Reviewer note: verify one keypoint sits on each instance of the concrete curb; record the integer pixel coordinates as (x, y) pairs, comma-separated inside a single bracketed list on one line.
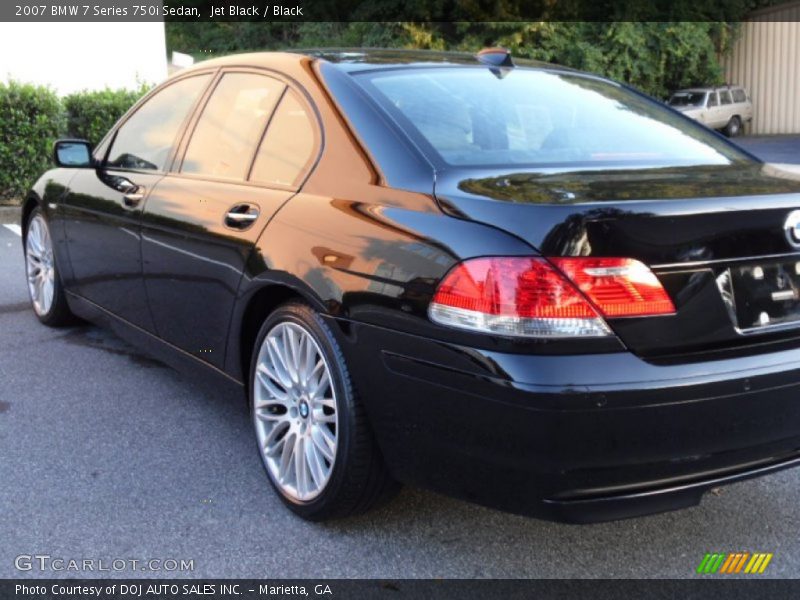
[(10, 214)]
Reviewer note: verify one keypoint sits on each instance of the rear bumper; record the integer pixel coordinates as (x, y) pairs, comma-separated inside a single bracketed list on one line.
[(573, 438), (645, 502)]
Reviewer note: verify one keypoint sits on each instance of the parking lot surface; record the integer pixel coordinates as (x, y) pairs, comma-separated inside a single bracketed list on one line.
[(772, 148), (108, 454)]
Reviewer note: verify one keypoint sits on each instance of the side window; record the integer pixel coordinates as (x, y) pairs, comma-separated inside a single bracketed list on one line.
[(288, 145), (232, 122), (725, 97), (145, 140), (739, 95), (712, 99)]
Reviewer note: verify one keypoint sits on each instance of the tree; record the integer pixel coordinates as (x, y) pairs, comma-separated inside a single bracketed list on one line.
[(656, 46)]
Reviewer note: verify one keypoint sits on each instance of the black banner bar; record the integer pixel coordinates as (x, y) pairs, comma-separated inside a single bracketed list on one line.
[(276, 589), (285, 11)]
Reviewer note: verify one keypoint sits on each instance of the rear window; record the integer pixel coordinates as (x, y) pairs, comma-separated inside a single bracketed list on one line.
[(470, 117), (739, 96)]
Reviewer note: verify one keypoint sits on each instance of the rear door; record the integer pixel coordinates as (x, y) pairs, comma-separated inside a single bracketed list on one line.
[(727, 108), (248, 151)]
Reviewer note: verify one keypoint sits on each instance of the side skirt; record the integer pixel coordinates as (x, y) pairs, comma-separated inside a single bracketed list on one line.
[(180, 360)]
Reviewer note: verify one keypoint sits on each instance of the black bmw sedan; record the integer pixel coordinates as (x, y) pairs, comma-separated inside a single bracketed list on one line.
[(521, 285)]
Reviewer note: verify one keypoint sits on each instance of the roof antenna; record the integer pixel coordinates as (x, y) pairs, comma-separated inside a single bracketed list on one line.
[(497, 59)]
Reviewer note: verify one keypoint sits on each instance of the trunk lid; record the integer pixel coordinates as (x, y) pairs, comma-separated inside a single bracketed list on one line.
[(716, 237)]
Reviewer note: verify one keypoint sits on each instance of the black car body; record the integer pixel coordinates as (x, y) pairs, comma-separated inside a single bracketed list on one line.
[(643, 414)]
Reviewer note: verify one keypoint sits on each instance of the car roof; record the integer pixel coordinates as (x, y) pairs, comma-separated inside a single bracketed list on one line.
[(363, 59), (709, 89)]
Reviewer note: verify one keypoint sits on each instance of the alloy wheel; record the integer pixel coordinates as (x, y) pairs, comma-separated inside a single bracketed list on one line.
[(295, 411), (39, 265)]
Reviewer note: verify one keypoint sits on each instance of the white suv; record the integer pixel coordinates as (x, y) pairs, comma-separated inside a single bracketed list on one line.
[(726, 108)]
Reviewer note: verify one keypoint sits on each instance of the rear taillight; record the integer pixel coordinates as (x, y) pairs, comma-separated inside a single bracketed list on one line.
[(618, 287), (516, 297), (522, 296)]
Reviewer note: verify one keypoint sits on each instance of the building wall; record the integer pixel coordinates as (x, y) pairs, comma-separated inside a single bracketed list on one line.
[(766, 61), (75, 56)]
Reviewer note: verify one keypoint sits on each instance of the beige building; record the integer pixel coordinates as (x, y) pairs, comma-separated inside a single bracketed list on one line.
[(766, 61)]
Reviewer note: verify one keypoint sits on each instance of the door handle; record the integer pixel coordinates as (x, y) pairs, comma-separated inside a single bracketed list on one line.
[(132, 194), (241, 216)]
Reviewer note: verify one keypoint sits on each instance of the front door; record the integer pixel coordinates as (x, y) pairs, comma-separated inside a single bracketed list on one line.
[(103, 209)]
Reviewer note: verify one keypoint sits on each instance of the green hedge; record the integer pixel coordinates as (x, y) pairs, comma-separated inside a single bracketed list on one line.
[(32, 117), (90, 114)]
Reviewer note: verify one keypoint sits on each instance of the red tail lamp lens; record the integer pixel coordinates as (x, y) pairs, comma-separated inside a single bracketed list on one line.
[(525, 296), (618, 287), (516, 296)]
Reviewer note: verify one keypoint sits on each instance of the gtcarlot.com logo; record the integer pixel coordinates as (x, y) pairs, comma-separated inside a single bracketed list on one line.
[(45, 562), (734, 562)]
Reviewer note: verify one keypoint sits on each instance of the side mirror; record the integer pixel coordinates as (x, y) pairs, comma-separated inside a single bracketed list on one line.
[(74, 154)]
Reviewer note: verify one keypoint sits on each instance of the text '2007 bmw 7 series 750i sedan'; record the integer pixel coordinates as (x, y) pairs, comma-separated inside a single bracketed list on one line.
[(507, 281)]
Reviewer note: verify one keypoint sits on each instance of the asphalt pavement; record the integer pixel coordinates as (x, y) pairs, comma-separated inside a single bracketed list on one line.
[(107, 454), (772, 148)]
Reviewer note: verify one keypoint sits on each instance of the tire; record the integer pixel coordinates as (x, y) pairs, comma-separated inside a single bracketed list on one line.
[(295, 414), (46, 292), (734, 127)]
